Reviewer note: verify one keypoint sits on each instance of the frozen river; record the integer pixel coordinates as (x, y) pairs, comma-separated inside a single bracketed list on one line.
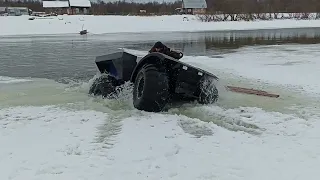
[(51, 129), (56, 57)]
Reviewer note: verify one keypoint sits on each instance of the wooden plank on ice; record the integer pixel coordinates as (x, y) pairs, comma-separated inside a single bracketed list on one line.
[(251, 91)]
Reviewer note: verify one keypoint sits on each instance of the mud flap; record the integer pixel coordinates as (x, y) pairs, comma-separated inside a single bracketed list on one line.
[(187, 81)]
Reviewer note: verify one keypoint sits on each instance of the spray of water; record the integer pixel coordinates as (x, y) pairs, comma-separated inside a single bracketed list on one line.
[(209, 91)]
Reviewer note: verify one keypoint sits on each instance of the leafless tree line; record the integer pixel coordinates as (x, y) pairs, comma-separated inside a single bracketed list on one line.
[(263, 6), (248, 10), (208, 17), (131, 8), (218, 10)]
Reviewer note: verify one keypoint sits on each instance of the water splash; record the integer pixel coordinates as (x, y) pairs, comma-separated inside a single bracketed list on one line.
[(209, 92)]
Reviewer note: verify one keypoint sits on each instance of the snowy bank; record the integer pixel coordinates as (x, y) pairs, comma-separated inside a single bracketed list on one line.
[(125, 24), (54, 143)]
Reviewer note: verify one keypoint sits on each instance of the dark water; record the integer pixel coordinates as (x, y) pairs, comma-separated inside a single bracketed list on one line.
[(58, 57)]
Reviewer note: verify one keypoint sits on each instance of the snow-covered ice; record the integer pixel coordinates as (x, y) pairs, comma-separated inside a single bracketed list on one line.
[(293, 66), (53, 131), (50, 142), (42, 142), (65, 24)]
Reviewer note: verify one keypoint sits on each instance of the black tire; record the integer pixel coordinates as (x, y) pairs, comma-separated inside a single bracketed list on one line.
[(151, 89), (104, 86), (208, 91)]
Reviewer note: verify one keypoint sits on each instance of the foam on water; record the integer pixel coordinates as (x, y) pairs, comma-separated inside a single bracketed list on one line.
[(9, 80)]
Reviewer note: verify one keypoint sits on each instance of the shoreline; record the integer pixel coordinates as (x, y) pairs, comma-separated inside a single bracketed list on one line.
[(150, 32), (64, 25)]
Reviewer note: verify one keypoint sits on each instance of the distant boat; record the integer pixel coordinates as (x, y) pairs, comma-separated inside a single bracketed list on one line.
[(83, 32)]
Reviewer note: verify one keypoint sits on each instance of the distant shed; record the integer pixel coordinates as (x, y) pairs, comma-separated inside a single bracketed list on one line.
[(79, 6), (55, 4), (59, 7), (67, 6), (194, 6)]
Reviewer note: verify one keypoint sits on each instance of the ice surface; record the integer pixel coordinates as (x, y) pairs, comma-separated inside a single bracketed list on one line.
[(241, 137), (296, 67), (50, 142), (65, 24), (47, 142)]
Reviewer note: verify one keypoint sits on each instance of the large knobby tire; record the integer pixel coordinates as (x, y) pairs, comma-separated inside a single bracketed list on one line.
[(151, 89), (103, 86), (208, 91)]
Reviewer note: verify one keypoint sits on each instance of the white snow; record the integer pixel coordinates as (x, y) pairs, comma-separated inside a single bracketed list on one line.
[(135, 24), (294, 66), (161, 148), (50, 142), (47, 142), (53, 131)]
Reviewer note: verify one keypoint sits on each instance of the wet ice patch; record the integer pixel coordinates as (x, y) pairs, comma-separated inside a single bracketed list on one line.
[(220, 117), (195, 126), (254, 121)]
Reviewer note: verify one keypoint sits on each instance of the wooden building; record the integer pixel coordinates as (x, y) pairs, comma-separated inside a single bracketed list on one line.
[(193, 7), (71, 7)]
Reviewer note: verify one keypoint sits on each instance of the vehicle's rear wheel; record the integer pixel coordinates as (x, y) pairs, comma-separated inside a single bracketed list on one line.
[(208, 91), (104, 86), (151, 89)]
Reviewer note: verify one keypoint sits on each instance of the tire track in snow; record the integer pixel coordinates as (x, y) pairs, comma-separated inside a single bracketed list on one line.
[(217, 116)]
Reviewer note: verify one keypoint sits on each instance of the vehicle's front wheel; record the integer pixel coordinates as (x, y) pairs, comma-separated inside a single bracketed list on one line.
[(104, 86), (151, 89)]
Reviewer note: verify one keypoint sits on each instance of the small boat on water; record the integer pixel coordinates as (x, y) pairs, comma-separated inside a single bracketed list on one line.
[(83, 32)]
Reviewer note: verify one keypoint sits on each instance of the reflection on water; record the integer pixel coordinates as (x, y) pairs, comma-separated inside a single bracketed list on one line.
[(72, 57), (238, 42), (215, 43), (227, 42)]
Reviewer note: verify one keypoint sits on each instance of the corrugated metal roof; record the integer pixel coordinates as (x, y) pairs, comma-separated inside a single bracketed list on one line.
[(55, 4), (194, 4)]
